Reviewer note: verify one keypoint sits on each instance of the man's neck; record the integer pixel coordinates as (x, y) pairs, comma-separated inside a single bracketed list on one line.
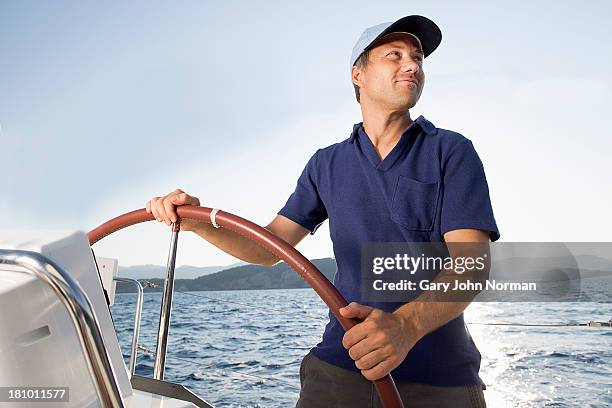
[(384, 128)]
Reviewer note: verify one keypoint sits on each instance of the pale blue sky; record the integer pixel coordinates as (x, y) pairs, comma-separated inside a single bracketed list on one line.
[(104, 105)]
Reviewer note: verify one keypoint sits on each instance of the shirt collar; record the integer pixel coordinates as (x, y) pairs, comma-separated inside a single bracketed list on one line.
[(425, 125)]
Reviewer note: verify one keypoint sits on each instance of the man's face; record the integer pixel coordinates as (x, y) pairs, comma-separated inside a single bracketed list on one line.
[(393, 78)]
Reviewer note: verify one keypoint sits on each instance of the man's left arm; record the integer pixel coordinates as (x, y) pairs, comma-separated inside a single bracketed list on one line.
[(382, 340)]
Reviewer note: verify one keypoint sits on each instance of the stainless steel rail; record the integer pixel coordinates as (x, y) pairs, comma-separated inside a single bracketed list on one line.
[(137, 318), (166, 308), (82, 315)]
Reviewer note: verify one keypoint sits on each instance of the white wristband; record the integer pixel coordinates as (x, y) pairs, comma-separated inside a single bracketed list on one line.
[(213, 215)]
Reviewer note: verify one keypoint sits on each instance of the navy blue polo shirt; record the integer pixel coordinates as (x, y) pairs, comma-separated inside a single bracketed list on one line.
[(430, 183)]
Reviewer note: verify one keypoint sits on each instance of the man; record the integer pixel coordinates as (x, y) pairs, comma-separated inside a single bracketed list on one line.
[(393, 180)]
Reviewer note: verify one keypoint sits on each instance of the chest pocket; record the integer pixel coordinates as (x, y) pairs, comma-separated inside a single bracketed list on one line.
[(415, 203)]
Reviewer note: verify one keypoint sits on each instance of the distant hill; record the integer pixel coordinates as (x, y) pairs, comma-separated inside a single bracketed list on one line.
[(182, 272), (533, 268), (281, 276), (245, 277)]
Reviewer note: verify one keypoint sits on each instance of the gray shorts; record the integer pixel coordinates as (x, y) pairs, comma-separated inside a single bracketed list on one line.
[(325, 386)]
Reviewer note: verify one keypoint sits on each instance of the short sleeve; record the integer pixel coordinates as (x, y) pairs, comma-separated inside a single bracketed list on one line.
[(465, 201), (305, 206)]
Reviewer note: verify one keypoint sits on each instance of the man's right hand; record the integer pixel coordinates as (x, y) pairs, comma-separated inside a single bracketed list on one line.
[(164, 208)]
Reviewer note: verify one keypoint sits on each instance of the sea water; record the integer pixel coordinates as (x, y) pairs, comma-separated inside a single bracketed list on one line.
[(244, 348)]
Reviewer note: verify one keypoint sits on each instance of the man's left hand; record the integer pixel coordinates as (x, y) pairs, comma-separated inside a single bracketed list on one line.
[(380, 342)]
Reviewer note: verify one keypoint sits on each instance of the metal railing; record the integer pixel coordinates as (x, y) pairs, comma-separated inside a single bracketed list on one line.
[(137, 318), (166, 307), (82, 315)]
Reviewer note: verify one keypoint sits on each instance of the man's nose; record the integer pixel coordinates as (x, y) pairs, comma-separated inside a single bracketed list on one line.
[(409, 64)]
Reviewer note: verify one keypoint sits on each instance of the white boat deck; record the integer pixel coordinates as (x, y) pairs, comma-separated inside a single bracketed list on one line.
[(39, 345)]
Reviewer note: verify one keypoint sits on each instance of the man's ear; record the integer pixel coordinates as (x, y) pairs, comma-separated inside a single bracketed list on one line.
[(356, 76)]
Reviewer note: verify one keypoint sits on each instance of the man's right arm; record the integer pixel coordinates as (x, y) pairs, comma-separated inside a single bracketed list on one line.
[(164, 210)]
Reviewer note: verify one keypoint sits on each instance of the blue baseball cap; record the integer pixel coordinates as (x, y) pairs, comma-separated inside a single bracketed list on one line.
[(425, 30)]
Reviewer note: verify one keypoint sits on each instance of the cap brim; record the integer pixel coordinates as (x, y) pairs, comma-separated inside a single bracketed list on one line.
[(423, 28)]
